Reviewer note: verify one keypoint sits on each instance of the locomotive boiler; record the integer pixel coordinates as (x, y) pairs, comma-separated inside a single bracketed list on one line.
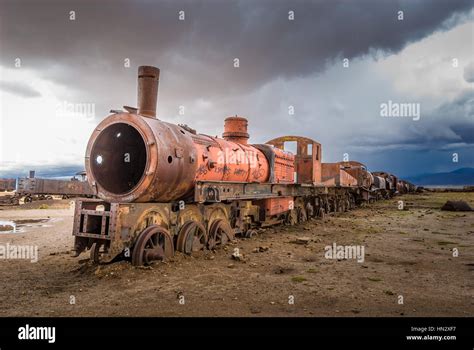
[(163, 187)]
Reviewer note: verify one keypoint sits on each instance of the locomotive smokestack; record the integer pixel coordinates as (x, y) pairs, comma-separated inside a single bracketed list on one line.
[(148, 78)]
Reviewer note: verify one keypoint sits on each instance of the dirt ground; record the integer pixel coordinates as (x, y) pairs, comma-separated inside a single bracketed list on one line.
[(408, 258)]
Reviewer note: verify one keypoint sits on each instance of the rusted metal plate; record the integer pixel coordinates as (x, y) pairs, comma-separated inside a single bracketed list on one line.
[(274, 206)]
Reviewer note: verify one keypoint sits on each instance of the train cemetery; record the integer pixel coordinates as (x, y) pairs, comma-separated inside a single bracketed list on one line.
[(165, 221), (417, 262)]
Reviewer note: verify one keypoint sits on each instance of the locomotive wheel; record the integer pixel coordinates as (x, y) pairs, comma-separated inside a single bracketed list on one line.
[(328, 207), (154, 243), (96, 252), (192, 237), (302, 215), (250, 233), (28, 199), (292, 217), (49, 197), (321, 213), (309, 210), (220, 233)]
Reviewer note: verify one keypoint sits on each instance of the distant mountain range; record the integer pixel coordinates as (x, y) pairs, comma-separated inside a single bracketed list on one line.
[(459, 177)]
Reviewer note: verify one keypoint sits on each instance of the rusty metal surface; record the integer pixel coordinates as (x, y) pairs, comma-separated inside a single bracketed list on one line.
[(283, 167), (222, 160)]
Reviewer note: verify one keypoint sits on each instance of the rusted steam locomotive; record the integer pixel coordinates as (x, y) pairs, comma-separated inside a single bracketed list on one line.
[(162, 187)]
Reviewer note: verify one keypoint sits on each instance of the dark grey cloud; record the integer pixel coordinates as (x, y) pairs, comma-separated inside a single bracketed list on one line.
[(277, 56), (86, 56), (19, 88), (200, 50)]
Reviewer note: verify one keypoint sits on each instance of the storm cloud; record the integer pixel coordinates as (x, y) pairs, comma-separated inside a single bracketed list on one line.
[(282, 61), (199, 52)]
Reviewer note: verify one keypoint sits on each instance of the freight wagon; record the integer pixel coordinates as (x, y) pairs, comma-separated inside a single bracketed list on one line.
[(33, 188)]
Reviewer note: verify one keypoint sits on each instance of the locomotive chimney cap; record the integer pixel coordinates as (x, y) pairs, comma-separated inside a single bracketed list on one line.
[(149, 71), (236, 117)]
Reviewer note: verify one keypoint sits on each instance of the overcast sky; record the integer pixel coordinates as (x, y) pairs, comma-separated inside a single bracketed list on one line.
[(53, 62)]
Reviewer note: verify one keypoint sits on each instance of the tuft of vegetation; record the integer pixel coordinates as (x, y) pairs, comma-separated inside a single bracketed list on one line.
[(445, 242), (298, 279), (374, 279), (44, 206)]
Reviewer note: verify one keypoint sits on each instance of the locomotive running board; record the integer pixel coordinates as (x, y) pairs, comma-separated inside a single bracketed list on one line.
[(218, 191)]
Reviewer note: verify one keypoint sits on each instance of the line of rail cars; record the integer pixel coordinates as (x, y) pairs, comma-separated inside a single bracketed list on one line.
[(7, 185), (34, 188), (162, 187)]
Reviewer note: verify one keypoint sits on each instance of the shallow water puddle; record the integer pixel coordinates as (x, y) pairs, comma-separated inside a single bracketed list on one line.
[(18, 226)]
